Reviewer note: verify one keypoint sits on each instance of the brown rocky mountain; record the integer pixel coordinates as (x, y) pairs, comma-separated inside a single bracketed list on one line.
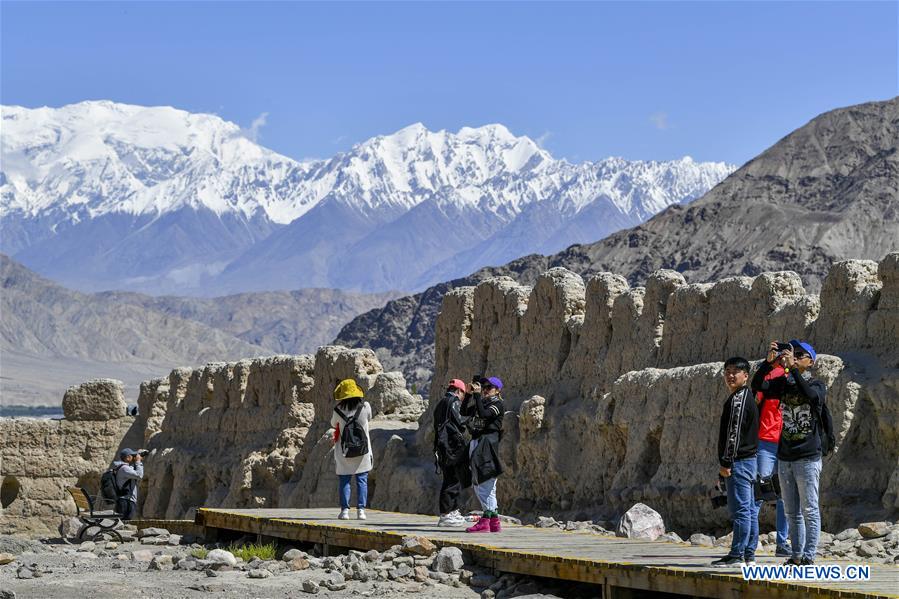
[(826, 192), (51, 337)]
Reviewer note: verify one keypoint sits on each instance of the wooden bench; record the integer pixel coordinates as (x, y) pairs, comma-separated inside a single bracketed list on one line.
[(95, 524)]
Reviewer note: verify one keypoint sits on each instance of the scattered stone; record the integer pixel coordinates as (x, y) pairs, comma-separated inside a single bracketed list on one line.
[(310, 586), (212, 573), (725, 541), (186, 564), (372, 556), (24, 573), (874, 530), (441, 577), (335, 582), (401, 571), (870, 549), (174, 540), (110, 545), (142, 555), (824, 538), (701, 540), (88, 555), (161, 562), (577, 526), (259, 573), (298, 563), (87, 546), (420, 573), (69, 527), (4, 594), (850, 534), (547, 522), (122, 557), (210, 588), (292, 554), (152, 532), (641, 522), (6, 558), (671, 537), (487, 594), (449, 560), (465, 576), (418, 546), (404, 559), (509, 519), (221, 556)]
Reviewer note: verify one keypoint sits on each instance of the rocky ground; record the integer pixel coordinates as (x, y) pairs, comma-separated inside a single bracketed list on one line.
[(160, 564), (155, 563)]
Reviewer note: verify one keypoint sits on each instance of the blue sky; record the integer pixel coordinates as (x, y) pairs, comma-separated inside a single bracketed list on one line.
[(650, 80)]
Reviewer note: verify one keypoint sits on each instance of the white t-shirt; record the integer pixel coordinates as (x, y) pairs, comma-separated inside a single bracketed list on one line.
[(356, 465)]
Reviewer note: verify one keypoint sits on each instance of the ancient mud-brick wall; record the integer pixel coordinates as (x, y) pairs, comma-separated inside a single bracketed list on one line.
[(40, 458), (241, 434), (615, 392)]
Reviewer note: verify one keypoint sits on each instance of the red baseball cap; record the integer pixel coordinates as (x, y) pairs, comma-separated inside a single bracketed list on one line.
[(456, 384)]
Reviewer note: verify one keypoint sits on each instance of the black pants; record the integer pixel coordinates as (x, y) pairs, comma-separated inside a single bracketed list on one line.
[(455, 478), (125, 507)]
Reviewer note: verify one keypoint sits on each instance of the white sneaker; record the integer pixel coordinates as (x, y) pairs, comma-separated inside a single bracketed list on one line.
[(453, 518), (360, 514), (344, 514)]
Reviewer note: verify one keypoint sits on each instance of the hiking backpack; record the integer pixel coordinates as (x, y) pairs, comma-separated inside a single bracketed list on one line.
[(353, 440), (109, 489), (828, 439), (449, 441)]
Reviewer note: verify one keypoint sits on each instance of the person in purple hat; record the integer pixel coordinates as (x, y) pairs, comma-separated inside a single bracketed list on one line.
[(801, 444), (483, 406)]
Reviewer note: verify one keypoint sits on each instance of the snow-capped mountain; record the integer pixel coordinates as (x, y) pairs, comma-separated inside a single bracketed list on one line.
[(106, 195)]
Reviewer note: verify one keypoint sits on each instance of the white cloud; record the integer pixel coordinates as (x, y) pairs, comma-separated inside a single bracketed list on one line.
[(257, 124), (541, 141), (660, 120)]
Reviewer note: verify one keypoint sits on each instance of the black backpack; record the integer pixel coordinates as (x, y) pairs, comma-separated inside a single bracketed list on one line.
[(449, 441), (828, 439), (353, 441), (108, 487)]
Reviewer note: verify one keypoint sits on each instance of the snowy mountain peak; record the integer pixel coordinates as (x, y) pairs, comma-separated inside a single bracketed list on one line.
[(157, 195)]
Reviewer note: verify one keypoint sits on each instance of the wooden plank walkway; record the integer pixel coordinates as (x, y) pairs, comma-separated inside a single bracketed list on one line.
[(617, 564)]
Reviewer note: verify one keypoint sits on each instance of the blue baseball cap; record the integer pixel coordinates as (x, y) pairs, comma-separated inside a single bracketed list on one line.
[(127, 452), (806, 347), (492, 381)]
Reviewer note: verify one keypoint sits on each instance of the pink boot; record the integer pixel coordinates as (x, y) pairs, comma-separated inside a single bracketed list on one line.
[(494, 524), (483, 525)]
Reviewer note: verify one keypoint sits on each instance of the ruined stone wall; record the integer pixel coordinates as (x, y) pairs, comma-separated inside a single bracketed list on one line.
[(40, 458), (253, 433), (614, 393)]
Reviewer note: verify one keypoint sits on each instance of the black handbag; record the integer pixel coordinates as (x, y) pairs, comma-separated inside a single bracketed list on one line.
[(766, 488)]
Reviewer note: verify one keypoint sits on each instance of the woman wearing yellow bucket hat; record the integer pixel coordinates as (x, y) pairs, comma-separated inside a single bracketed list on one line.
[(352, 445)]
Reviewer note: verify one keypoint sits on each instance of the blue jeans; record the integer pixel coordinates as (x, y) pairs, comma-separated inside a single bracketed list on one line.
[(361, 489), (743, 508), (767, 460), (799, 487)]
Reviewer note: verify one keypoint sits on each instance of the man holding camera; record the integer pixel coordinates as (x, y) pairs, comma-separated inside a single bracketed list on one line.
[(129, 469), (800, 450), (738, 438), (451, 453)]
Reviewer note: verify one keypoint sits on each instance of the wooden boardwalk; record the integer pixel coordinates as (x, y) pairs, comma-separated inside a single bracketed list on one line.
[(619, 565)]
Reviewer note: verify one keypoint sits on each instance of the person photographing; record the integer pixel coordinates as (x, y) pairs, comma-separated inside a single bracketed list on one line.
[(801, 447), (451, 452), (127, 471), (483, 407)]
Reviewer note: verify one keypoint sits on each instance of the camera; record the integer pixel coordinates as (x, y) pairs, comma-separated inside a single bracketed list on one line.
[(143, 452), (720, 497), (477, 378), (781, 347)]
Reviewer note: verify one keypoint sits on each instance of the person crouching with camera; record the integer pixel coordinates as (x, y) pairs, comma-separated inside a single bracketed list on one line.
[(738, 440)]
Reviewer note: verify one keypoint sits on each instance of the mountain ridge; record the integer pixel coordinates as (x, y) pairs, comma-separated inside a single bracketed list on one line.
[(100, 195), (827, 191)]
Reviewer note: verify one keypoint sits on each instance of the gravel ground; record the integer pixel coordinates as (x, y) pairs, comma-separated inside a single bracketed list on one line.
[(65, 575)]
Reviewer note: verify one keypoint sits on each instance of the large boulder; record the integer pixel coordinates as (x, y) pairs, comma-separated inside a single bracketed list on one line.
[(641, 522), (98, 399)]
